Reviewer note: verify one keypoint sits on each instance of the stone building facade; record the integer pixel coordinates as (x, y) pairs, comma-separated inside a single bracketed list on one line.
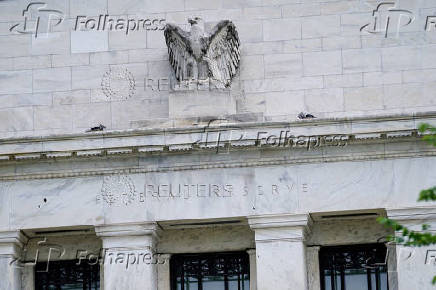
[(105, 168)]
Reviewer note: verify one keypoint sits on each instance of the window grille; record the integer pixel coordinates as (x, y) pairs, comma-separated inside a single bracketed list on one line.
[(67, 275), (359, 267), (227, 271)]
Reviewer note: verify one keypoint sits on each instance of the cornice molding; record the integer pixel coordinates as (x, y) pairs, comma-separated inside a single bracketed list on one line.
[(412, 214), (191, 140), (414, 218), (35, 154), (246, 125), (123, 230), (347, 156), (184, 139), (131, 236), (279, 221), (11, 242), (16, 237), (280, 227)]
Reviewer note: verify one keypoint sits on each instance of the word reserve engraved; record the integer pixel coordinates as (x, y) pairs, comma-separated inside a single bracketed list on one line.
[(118, 189), (118, 84), (203, 190)]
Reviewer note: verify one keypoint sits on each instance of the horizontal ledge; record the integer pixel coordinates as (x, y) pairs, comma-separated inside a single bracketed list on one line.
[(368, 156), (244, 125), (283, 139)]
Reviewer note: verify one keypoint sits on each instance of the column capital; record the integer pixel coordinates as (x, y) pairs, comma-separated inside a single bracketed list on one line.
[(11, 242), (251, 252), (166, 257), (279, 220), (135, 235), (414, 216), (290, 227), (412, 213)]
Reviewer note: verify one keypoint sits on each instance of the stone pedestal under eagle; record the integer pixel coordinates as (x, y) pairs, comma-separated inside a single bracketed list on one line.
[(197, 55)]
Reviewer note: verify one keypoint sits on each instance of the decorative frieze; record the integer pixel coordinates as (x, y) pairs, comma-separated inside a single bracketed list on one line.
[(324, 141)]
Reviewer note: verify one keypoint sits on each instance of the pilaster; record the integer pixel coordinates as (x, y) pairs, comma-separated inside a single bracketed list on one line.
[(129, 257), (281, 251), (414, 265), (11, 243)]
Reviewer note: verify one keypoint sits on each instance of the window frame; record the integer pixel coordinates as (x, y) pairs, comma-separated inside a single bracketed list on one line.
[(177, 260), (88, 272), (380, 263)]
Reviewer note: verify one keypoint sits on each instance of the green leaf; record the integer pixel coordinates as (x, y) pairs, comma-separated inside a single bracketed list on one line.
[(427, 194), (423, 127)]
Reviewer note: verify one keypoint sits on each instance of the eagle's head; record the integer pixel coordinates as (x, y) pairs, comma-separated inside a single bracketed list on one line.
[(195, 20), (197, 25)]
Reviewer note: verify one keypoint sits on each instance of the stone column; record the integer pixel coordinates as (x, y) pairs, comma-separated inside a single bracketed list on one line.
[(129, 258), (28, 276), (313, 275), (253, 275), (415, 266), (11, 243), (163, 272), (281, 251)]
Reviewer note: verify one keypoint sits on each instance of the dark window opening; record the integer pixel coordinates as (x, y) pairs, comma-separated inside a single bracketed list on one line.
[(359, 267), (67, 275), (226, 271)]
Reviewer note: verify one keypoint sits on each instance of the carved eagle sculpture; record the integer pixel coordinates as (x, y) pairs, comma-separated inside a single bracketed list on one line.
[(198, 55)]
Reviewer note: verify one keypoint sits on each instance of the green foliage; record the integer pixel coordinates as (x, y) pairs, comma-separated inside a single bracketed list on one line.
[(429, 133), (427, 194), (408, 237), (404, 235)]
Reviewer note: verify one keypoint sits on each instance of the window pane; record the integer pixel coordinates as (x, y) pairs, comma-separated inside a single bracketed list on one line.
[(356, 280), (327, 280), (191, 283), (215, 271), (384, 281), (354, 267), (67, 275)]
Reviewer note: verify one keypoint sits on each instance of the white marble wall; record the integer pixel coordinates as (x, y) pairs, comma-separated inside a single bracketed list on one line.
[(206, 239), (250, 191), (296, 56), (343, 231), (275, 244), (11, 245), (414, 265)]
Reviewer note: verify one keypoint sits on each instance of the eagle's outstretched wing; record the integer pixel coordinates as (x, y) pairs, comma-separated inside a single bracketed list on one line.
[(179, 50), (223, 52)]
